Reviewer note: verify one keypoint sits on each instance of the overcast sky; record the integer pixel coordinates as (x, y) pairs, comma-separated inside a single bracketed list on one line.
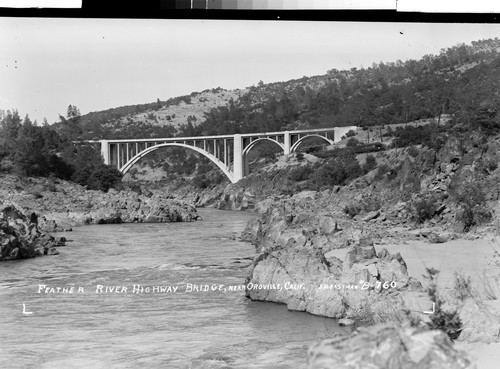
[(95, 64)]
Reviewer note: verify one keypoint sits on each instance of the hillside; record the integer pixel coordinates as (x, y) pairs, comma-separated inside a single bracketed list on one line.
[(162, 118), (459, 78)]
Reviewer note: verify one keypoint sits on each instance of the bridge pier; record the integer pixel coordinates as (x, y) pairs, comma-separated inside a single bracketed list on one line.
[(105, 152), (238, 165), (286, 142)]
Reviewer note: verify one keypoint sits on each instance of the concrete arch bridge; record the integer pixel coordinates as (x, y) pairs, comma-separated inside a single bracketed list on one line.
[(228, 152)]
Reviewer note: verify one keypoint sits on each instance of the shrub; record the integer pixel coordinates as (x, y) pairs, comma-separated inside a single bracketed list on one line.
[(424, 207), (351, 142), (463, 286), (472, 201), (350, 133), (382, 170), (300, 173), (370, 163), (103, 177), (432, 137), (337, 172), (447, 321)]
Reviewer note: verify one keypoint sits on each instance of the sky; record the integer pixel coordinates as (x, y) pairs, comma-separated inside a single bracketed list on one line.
[(96, 64)]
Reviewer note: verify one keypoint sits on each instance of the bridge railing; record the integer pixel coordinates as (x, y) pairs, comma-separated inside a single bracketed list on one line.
[(173, 139)]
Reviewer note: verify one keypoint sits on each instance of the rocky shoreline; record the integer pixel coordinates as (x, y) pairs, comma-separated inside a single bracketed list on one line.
[(388, 346), (21, 237), (313, 255), (35, 207)]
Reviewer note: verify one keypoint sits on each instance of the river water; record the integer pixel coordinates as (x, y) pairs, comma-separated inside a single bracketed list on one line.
[(124, 296)]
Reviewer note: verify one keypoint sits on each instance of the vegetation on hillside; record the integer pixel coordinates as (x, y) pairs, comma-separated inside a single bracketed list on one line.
[(460, 80), (31, 150)]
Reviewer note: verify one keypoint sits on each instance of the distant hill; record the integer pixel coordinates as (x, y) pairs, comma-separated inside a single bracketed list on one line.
[(460, 78), (160, 118)]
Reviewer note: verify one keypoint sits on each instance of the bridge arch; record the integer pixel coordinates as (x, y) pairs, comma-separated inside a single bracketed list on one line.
[(246, 150), (147, 151), (254, 142), (294, 147)]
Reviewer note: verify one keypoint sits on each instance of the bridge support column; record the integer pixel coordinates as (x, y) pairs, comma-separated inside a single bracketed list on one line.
[(238, 167), (286, 142), (105, 151)]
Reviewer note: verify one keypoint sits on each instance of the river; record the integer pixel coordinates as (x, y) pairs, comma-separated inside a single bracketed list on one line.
[(124, 296)]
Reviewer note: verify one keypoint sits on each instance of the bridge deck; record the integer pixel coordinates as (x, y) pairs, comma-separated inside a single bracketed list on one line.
[(191, 138)]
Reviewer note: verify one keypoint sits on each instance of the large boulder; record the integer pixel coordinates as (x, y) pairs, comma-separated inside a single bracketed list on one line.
[(20, 236), (388, 347), (305, 279)]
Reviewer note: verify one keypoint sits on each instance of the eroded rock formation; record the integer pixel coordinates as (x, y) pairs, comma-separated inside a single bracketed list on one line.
[(388, 347), (21, 237), (62, 205), (306, 279)]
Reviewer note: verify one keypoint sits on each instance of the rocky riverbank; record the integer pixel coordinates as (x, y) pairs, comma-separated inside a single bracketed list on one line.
[(324, 251), (61, 205), (21, 237), (36, 207), (388, 347), (363, 287)]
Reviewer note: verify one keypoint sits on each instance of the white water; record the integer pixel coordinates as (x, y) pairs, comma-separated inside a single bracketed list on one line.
[(90, 329)]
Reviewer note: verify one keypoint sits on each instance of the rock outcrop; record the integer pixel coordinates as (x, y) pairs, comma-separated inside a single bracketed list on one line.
[(481, 321), (62, 205), (388, 347), (306, 279), (21, 237)]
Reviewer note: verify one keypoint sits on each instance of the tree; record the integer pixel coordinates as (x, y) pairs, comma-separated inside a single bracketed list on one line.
[(30, 154), (73, 112), (71, 129), (36, 152), (91, 171), (10, 125)]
